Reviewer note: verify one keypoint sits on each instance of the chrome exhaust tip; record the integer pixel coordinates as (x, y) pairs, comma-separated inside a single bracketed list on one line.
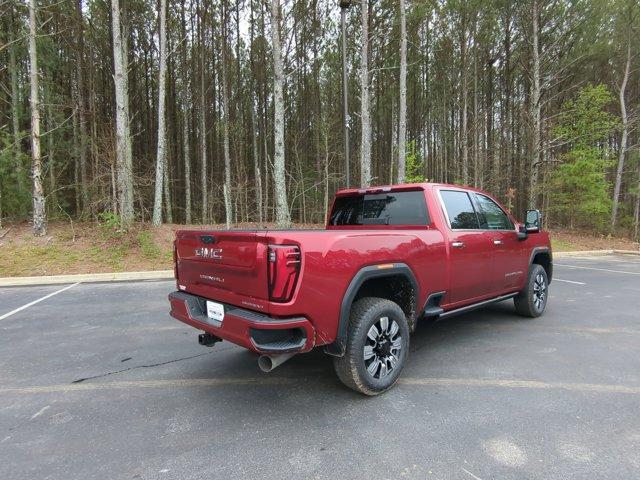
[(269, 362)]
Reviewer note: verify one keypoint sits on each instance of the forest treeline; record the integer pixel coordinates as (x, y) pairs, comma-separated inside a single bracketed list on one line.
[(232, 111)]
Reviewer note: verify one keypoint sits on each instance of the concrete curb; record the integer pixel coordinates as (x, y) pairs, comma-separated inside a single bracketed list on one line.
[(590, 253), (582, 253), (168, 274), (627, 252), (87, 278)]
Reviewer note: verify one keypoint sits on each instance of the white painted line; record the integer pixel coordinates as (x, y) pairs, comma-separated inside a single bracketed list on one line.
[(471, 474), (526, 384), (594, 268), (19, 309), (568, 281), (283, 381), (40, 412)]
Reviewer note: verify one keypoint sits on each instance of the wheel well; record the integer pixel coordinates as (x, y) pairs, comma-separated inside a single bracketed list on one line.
[(397, 288), (544, 259)]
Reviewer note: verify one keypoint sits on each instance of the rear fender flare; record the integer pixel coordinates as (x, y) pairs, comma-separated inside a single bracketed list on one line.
[(338, 347)]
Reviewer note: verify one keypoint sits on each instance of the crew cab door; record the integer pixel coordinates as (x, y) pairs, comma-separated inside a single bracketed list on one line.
[(469, 250), (509, 260)]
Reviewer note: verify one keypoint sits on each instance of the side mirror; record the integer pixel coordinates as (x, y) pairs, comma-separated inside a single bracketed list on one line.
[(522, 232), (532, 222)]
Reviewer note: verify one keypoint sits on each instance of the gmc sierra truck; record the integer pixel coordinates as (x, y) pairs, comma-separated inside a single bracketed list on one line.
[(388, 257)]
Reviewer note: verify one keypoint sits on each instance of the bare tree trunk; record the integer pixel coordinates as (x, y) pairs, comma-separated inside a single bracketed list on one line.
[(267, 161), (283, 218), (39, 214), (184, 96), (636, 213), (535, 108), (623, 140), (168, 208), (76, 166), (203, 129), (114, 189), (326, 176), (187, 164), (254, 129), (123, 133), (256, 161), (402, 127), (365, 113), (476, 120), (15, 92), (225, 112), (394, 143), (81, 106), (464, 141), (161, 152), (129, 137), (50, 126)]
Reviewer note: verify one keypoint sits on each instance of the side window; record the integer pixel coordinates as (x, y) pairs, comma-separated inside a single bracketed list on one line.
[(459, 209), (492, 217)]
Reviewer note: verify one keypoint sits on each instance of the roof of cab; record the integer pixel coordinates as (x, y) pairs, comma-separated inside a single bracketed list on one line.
[(400, 187)]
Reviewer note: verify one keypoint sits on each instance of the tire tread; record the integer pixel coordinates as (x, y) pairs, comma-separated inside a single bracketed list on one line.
[(524, 300), (346, 367)]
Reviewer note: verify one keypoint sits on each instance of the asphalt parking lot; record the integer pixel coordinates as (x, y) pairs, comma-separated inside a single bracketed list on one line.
[(97, 381)]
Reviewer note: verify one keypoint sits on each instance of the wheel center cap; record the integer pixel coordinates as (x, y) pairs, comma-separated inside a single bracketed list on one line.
[(384, 348)]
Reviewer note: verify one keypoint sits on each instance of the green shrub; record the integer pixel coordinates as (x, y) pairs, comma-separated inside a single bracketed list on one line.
[(580, 189), (15, 186), (149, 248), (414, 164)]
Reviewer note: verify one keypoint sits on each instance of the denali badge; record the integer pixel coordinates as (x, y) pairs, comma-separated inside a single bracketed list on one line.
[(215, 253), (212, 278)]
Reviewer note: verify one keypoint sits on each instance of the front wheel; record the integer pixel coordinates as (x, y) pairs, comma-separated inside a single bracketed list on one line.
[(377, 346), (532, 300)]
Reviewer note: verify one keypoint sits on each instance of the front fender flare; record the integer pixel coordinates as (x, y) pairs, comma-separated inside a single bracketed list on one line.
[(535, 251)]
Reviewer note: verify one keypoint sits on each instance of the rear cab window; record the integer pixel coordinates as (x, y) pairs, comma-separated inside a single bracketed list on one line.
[(406, 208)]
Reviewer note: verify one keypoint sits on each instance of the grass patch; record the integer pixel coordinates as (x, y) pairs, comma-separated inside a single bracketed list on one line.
[(112, 256), (562, 245), (149, 248), (24, 260)]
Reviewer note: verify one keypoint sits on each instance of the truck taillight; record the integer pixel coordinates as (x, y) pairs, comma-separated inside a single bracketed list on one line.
[(284, 267)]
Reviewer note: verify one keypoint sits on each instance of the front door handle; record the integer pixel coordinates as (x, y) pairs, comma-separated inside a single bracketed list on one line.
[(457, 244), (497, 242)]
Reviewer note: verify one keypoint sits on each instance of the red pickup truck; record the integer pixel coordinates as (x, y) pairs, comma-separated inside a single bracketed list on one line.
[(387, 258)]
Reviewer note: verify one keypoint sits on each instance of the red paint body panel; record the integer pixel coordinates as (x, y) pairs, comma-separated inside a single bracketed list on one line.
[(332, 257)]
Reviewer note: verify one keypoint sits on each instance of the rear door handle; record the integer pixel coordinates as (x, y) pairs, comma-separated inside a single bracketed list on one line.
[(457, 244), (497, 242)]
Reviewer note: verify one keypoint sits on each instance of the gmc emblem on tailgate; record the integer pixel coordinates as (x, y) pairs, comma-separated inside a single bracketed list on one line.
[(204, 252)]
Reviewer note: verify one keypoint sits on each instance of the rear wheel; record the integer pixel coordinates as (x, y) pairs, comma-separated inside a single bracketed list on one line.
[(377, 346), (532, 301)]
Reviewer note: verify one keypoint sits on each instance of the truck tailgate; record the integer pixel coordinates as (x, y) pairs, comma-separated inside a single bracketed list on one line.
[(222, 265)]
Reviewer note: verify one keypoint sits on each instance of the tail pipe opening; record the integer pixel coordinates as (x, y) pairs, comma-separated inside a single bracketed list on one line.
[(269, 362)]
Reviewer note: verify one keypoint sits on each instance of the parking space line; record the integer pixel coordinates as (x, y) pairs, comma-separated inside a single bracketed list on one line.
[(568, 281), (125, 385), (596, 330), (471, 474), (19, 309), (594, 268), (525, 384), (280, 381)]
